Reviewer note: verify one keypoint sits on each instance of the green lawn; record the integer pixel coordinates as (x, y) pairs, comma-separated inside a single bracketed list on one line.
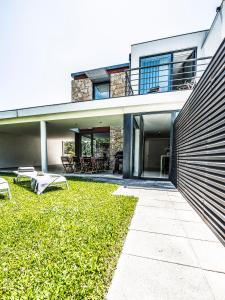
[(63, 244)]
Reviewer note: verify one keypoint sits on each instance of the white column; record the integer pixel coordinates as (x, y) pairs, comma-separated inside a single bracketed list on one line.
[(44, 148)]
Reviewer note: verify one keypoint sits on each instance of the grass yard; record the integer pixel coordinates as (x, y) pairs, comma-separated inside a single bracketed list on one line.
[(63, 244)]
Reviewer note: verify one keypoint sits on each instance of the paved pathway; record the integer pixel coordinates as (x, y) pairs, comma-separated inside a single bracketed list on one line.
[(169, 253)]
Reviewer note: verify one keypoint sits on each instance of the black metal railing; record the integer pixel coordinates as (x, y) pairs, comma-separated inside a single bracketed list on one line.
[(166, 77)]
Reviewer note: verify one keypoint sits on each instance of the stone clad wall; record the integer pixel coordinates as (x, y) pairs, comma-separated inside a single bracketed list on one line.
[(81, 90), (116, 142), (117, 84)]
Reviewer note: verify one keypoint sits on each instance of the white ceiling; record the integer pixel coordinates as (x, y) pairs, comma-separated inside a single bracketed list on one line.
[(157, 123), (61, 128)]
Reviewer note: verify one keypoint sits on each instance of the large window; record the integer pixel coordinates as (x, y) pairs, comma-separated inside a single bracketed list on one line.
[(155, 76), (166, 72), (101, 144), (86, 144), (101, 90), (95, 144)]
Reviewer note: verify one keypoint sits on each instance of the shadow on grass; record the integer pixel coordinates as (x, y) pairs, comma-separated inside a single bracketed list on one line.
[(4, 197)]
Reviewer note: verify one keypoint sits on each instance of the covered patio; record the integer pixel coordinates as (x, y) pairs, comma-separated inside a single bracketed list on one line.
[(43, 144)]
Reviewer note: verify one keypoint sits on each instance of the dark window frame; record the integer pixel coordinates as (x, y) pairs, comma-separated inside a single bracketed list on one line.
[(195, 49), (98, 83), (91, 132)]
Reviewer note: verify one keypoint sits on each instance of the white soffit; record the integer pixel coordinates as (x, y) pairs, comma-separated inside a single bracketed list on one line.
[(97, 75)]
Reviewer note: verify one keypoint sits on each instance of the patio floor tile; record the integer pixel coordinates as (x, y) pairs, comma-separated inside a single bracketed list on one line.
[(145, 221), (161, 247), (198, 231), (169, 252), (139, 278), (210, 255)]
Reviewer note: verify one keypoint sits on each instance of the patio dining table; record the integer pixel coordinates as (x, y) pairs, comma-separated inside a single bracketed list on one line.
[(93, 164)]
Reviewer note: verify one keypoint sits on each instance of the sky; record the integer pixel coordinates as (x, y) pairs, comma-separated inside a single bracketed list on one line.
[(43, 41)]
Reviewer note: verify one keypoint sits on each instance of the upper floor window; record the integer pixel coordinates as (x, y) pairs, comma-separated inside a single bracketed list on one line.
[(168, 72), (101, 90), (155, 73)]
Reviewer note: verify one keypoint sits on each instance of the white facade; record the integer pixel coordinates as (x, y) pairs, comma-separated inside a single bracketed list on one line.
[(165, 45)]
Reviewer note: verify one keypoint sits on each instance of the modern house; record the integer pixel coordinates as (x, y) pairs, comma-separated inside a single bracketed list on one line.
[(128, 107)]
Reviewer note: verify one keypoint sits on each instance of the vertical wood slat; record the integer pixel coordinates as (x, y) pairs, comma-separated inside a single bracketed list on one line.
[(198, 154)]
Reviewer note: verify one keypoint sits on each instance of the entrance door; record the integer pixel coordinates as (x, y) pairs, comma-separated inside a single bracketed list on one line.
[(156, 145), (151, 145)]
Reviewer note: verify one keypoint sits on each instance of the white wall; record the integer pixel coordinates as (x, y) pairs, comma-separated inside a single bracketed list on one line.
[(181, 42), (55, 150), (167, 45), (18, 151), (216, 33), (22, 150)]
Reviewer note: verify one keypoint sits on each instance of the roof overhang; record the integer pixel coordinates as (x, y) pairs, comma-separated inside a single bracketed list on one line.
[(97, 75), (171, 101), (98, 72)]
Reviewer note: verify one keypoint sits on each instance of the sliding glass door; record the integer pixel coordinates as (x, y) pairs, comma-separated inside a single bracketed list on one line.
[(151, 145), (86, 144), (155, 76), (94, 143)]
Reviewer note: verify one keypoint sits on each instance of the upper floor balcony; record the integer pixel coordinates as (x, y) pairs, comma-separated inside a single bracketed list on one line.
[(156, 74)]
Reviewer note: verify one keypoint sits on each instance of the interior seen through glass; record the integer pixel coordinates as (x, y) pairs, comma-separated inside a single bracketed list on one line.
[(96, 144), (151, 157), (101, 91)]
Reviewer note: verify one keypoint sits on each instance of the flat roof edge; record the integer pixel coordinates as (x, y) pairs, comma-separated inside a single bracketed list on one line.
[(169, 37)]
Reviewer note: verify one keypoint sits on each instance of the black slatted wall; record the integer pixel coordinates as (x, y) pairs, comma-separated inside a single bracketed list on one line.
[(198, 158)]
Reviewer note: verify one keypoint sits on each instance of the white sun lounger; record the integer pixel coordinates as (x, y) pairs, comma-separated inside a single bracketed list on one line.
[(4, 187), (39, 183)]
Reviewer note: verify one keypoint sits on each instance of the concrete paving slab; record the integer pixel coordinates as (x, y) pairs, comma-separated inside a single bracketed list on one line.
[(210, 255), (156, 212), (190, 216), (144, 279), (155, 203), (169, 252), (163, 226), (198, 231), (174, 193), (216, 282), (182, 206), (161, 247)]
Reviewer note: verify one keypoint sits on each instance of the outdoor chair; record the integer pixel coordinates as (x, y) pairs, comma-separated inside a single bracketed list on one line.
[(86, 165), (76, 164), (39, 181), (94, 165), (188, 85), (101, 164), (4, 188), (67, 163)]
